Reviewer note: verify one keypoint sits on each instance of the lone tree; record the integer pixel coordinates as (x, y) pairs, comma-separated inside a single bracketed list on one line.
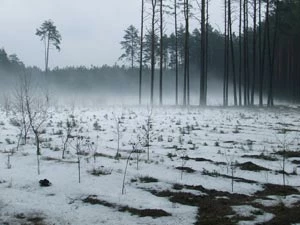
[(51, 36), (130, 44)]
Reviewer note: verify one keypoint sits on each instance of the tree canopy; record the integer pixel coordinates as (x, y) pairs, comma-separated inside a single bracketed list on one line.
[(50, 36)]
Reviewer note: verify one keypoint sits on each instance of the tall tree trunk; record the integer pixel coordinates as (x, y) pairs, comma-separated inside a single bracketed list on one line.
[(261, 56), (45, 46), (152, 49), (225, 59), (176, 52), (141, 53), (240, 53), (272, 55), (203, 56), (266, 41), (206, 52), (245, 57), (269, 53), (186, 89), (225, 81), (254, 52), (247, 52), (232, 53), (161, 54), (47, 54), (132, 55)]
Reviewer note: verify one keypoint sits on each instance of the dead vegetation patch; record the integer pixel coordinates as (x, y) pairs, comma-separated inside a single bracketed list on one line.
[(148, 179), (98, 154), (260, 156), (251, 167), (275, 189), (200, 159), (215, 207), (297, 162), (185, 169), (283, 215), (236, 179), (30, 219), (154, 213), (289, 154), (196, 159)]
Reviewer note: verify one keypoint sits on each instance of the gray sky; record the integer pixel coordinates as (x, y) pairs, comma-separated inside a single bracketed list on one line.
[(91, 30)]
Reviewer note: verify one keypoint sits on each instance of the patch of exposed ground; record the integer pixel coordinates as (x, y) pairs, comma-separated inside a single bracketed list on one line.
[(216, 207), (154, 213)]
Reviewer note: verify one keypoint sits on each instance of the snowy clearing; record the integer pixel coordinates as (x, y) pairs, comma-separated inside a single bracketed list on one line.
[(179, 166)]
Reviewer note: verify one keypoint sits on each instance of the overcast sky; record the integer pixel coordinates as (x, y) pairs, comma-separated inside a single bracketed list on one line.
[(91, 30)]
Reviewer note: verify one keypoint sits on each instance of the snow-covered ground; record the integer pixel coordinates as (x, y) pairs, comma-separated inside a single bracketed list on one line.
[(188, 146)]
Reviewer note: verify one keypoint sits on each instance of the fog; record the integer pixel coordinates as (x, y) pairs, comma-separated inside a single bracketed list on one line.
[(116, 86)]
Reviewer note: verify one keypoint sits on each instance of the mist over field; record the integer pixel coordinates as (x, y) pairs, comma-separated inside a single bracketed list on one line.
[(107, 86)]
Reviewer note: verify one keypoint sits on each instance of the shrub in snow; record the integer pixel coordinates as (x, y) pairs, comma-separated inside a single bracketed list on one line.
[(14, 122), (9, 142), (96, 126), (100, 171), (45, 183)]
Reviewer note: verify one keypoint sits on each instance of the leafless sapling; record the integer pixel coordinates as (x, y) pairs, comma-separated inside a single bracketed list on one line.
[(78, 148), (21, 119), (232, 165), (137, 146), (69, 127), (9, 154), (183, 157), (93, 146), (284, 142), (118, 133), (36, 106), (147, 129), (134, 148)]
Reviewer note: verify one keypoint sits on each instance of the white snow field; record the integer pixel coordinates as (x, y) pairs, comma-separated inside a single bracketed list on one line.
[(209, 165)]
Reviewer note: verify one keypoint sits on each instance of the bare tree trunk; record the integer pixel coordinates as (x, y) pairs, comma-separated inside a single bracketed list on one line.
[(246, 75), (254, 52), (153, 49), (206, 52), (269, 49), (203, 55), (232, 53), (38, 152), (132, 55), (240, 53), (125, 171), (45, 46), (47, 58), (272, 57), (186, 89), (141, 53), (263, 56), (161, 54), (226, 53), (260, 55), (247, 51), (176, 51)]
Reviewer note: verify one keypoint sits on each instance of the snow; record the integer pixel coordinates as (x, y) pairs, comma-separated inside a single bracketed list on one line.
[(218, 134)]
